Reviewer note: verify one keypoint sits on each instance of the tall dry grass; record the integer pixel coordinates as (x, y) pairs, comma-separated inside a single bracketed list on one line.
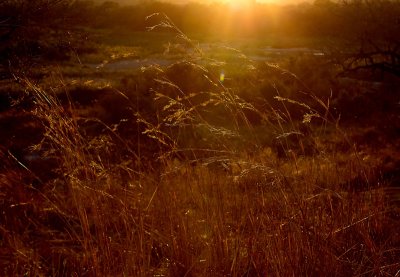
[(231, 189)]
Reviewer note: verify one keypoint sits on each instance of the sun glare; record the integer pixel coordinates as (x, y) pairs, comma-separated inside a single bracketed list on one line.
[(239, 11), (241, 4)]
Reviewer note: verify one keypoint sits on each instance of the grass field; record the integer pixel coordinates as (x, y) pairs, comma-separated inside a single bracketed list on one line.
[(215, 163)]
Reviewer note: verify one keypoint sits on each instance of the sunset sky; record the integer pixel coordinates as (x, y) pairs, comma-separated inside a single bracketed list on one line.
[(211, 1)]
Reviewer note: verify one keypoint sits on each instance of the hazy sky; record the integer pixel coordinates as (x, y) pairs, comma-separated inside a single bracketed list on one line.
[(210, 1), (284, 1)]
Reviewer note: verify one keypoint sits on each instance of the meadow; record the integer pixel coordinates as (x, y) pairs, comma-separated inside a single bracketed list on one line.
[(170, 152)]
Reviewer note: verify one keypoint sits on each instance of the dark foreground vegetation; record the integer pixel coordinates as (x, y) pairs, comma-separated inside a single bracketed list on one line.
[(254, 142)]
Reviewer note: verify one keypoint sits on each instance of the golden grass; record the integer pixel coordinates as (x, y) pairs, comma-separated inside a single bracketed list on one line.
[(215, 198)]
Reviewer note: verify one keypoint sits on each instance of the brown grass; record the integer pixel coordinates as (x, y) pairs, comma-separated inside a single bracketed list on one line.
[(214, 196)]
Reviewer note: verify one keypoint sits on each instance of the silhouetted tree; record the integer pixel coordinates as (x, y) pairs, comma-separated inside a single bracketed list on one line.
[(370, 31)]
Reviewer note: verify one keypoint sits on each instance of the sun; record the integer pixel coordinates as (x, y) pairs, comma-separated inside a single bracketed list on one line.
[(241, 4)]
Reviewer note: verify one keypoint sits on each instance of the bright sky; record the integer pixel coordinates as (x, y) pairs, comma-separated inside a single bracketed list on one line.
[(260, 1), (239, 2), (282, 1)]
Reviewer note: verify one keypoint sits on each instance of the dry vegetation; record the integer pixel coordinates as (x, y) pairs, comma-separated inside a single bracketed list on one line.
[(176, 171), (182, 196)]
